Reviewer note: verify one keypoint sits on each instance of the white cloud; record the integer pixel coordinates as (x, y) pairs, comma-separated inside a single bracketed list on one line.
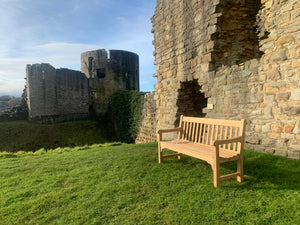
[(56, 32)]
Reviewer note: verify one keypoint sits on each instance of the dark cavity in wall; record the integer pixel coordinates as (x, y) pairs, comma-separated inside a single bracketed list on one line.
[(190, 100), (236, 40), (101, 73), (90, 66)]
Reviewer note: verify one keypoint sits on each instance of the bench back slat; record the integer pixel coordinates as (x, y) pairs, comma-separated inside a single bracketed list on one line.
[(206, 131)]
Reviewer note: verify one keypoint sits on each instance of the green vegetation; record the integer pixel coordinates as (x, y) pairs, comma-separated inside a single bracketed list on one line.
[(127, 113), (124, 184), (8, 101), (25, 136)]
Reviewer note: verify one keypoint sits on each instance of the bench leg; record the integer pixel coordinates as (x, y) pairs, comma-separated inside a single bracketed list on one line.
[(179, 156), (160, 158), (216, 170), (240, 170)]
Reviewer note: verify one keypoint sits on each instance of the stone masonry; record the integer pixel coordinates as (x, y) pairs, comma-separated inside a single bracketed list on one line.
[(107, 74), (231, 59), (147, 132), (56, 94), (62, 94)]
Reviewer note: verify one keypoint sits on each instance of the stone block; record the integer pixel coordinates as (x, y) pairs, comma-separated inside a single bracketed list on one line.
[(269, 98), (258, 128), (288, 128), (280, 152), (294, 154), (277, 128), (266, 128), (296, 129), (296, 63), (268, 112), (268, 142), (271, 90), (270, 150), (282, 96), (288, 136), (279, 55), (273, 74), (253, 140), (274, 135), (295, 94)]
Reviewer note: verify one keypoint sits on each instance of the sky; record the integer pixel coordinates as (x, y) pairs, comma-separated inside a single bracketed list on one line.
[(58, 31)]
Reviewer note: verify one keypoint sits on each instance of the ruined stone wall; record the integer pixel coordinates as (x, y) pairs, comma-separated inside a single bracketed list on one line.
[(40, 82), (231, 59), (56, 95), (73, 95), (147, 132), (107, 74)]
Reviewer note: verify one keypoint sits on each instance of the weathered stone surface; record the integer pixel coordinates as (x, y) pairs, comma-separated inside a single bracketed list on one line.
[(56, 94), (120, 71), (213, 42), (63, 94), (147, 131), (288, 128)]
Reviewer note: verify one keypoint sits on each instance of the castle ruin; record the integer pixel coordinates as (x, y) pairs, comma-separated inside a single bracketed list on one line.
[(106, 75), (227, 59), (231, 59), (63, 94)]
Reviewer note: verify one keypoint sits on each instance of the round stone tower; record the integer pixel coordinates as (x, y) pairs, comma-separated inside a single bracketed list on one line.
[(106, 74)]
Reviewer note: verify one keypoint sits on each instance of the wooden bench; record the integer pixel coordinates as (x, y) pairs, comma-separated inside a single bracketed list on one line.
[(214, 140)]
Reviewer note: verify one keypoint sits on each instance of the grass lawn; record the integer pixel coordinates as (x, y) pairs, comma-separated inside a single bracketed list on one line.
[(125, 185), (26, 136)]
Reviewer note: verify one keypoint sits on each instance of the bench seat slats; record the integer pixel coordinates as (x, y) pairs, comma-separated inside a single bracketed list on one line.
[(199, 151)]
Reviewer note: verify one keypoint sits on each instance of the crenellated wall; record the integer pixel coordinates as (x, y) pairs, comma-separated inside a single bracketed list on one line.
[(231, 59)]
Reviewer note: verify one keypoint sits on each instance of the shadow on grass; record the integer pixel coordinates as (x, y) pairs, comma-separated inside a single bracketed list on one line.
[(264, 171), (261, 171)]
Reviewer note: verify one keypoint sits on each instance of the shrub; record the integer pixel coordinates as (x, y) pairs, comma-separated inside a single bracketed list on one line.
[(126, 109)]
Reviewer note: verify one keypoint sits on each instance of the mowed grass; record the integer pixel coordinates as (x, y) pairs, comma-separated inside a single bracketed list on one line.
[(124, 184)]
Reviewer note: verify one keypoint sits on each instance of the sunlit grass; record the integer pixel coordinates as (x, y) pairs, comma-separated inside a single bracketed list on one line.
[(124, 184)]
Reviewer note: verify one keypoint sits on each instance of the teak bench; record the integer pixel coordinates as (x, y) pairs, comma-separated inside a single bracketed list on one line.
[(212, 140)]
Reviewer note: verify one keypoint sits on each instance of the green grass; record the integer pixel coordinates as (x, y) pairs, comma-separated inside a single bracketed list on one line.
[(125, 185), (25, 136)]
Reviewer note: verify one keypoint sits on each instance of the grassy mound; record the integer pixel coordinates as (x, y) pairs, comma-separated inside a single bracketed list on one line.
[(25, 136)]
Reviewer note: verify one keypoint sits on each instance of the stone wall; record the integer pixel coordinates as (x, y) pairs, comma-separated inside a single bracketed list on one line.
[(56, 94), (147, 132), (107, 74), (231, 59)]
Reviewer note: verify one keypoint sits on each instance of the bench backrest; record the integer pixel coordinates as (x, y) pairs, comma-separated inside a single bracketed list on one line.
[(206, 131)]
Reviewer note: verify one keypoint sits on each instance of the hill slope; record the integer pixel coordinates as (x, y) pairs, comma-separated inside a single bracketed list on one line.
[(24, 136)]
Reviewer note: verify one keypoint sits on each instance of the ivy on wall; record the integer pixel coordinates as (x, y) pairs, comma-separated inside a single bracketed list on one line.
[(126, 107)]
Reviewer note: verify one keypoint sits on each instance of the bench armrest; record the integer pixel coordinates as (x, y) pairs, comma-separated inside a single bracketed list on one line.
[(168, 130), (160, 132), (227, 141)]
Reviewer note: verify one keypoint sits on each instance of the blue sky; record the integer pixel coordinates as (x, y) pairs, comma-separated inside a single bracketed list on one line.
[(58, 31)]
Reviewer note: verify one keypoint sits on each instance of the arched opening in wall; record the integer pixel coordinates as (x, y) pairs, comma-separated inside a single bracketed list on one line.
[(236, 40), (190, 101)]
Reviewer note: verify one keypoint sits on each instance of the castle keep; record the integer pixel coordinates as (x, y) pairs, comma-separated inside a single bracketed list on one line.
[(63, 94), (106, 75), (231, 59)]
